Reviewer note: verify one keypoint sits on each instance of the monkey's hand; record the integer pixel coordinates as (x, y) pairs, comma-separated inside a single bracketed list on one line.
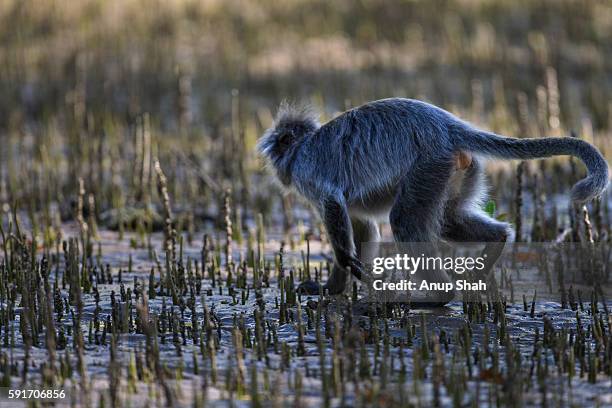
[(337, 280), (356, 267), (334, 286), (310, 287)]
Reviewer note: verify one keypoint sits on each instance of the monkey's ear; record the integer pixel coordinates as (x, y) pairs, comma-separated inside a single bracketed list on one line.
[(285, 138)]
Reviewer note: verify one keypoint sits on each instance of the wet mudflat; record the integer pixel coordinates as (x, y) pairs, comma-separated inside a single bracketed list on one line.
[(153, 332)]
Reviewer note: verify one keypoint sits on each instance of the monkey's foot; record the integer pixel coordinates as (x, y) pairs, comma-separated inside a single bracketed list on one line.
[(420, 299), (311, 287)]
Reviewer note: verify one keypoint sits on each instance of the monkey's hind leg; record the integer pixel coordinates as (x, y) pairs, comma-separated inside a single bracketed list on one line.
[(417, 214), (419, 204), (464, 224), (467, 226)]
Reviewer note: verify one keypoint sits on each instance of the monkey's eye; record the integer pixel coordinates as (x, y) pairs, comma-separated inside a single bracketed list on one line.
[(285, 139)]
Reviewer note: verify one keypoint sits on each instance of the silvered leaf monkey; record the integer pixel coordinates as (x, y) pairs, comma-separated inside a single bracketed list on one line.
[(417, 164)]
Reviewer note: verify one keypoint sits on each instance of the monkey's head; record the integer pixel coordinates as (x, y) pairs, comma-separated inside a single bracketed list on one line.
[(279, 144)]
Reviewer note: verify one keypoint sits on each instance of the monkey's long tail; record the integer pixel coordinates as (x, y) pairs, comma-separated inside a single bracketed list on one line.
[(490, 144)]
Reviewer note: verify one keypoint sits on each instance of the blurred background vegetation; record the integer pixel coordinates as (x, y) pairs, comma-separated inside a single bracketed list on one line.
[(97, 89)]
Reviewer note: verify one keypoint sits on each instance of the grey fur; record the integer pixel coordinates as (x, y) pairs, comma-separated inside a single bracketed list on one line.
[(395, 157)]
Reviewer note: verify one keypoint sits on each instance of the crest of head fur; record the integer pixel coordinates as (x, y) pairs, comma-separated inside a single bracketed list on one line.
[(296, 114)]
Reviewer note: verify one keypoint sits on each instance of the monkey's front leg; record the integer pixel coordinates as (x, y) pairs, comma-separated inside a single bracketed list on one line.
[(338, 226)]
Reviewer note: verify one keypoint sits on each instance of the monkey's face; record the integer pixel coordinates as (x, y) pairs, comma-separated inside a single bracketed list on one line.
[(277, 145), (282, 141)]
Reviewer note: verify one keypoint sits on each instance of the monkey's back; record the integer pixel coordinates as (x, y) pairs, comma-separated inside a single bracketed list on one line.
[(370, 148)]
